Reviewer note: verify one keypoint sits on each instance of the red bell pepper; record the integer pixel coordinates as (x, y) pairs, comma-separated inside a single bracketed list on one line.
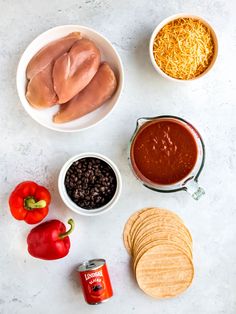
[(50, 240), (29, 202)]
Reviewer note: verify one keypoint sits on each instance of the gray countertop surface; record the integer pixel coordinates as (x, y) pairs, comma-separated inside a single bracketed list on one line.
[(31, 152)]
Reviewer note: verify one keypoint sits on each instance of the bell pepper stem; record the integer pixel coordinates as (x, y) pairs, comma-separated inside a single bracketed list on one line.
[(68, 232), (30, 203)]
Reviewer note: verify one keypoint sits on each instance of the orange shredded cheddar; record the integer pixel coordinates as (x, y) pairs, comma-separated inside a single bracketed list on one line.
[(184, 48)]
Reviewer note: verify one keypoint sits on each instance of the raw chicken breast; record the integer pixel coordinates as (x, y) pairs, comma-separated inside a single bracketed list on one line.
[(75, 69), (40, 92), (50, 53), (99, 90)]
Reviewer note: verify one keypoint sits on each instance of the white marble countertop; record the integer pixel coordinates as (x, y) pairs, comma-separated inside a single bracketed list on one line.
[(29, 151)]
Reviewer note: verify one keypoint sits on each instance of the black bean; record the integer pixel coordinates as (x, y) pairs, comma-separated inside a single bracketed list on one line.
[(90, 183)]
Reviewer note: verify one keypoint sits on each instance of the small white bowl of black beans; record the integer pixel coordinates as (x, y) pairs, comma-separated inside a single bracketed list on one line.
[(89, 184)]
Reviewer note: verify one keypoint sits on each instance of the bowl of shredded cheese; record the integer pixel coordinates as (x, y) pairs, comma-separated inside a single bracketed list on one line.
[(183, 47)]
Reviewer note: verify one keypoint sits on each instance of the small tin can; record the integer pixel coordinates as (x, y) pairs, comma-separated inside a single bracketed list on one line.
[(95, 281)]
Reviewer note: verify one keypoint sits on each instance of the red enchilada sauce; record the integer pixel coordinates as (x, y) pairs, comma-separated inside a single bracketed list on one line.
[(163, 152)]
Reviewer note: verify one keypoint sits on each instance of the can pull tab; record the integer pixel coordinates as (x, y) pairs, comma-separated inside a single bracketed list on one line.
[(91, 265), (192, 187)]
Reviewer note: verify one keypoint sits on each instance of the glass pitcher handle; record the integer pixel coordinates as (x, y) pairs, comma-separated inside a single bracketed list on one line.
[(194, 189)]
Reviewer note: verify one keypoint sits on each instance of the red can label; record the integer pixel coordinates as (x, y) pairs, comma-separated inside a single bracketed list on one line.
[(96, 285)]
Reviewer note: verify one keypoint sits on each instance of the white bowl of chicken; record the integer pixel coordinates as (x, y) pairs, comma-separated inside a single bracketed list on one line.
[(69, 78)]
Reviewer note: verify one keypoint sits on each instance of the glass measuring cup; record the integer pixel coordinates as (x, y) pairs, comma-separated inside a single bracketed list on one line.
[(188, 183)]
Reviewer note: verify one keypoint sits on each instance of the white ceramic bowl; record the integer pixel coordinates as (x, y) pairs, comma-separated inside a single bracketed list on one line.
[(108, 53), (166, 21), (67, 200)]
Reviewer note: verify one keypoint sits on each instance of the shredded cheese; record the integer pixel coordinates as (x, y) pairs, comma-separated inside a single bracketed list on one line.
[(184, 48)]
